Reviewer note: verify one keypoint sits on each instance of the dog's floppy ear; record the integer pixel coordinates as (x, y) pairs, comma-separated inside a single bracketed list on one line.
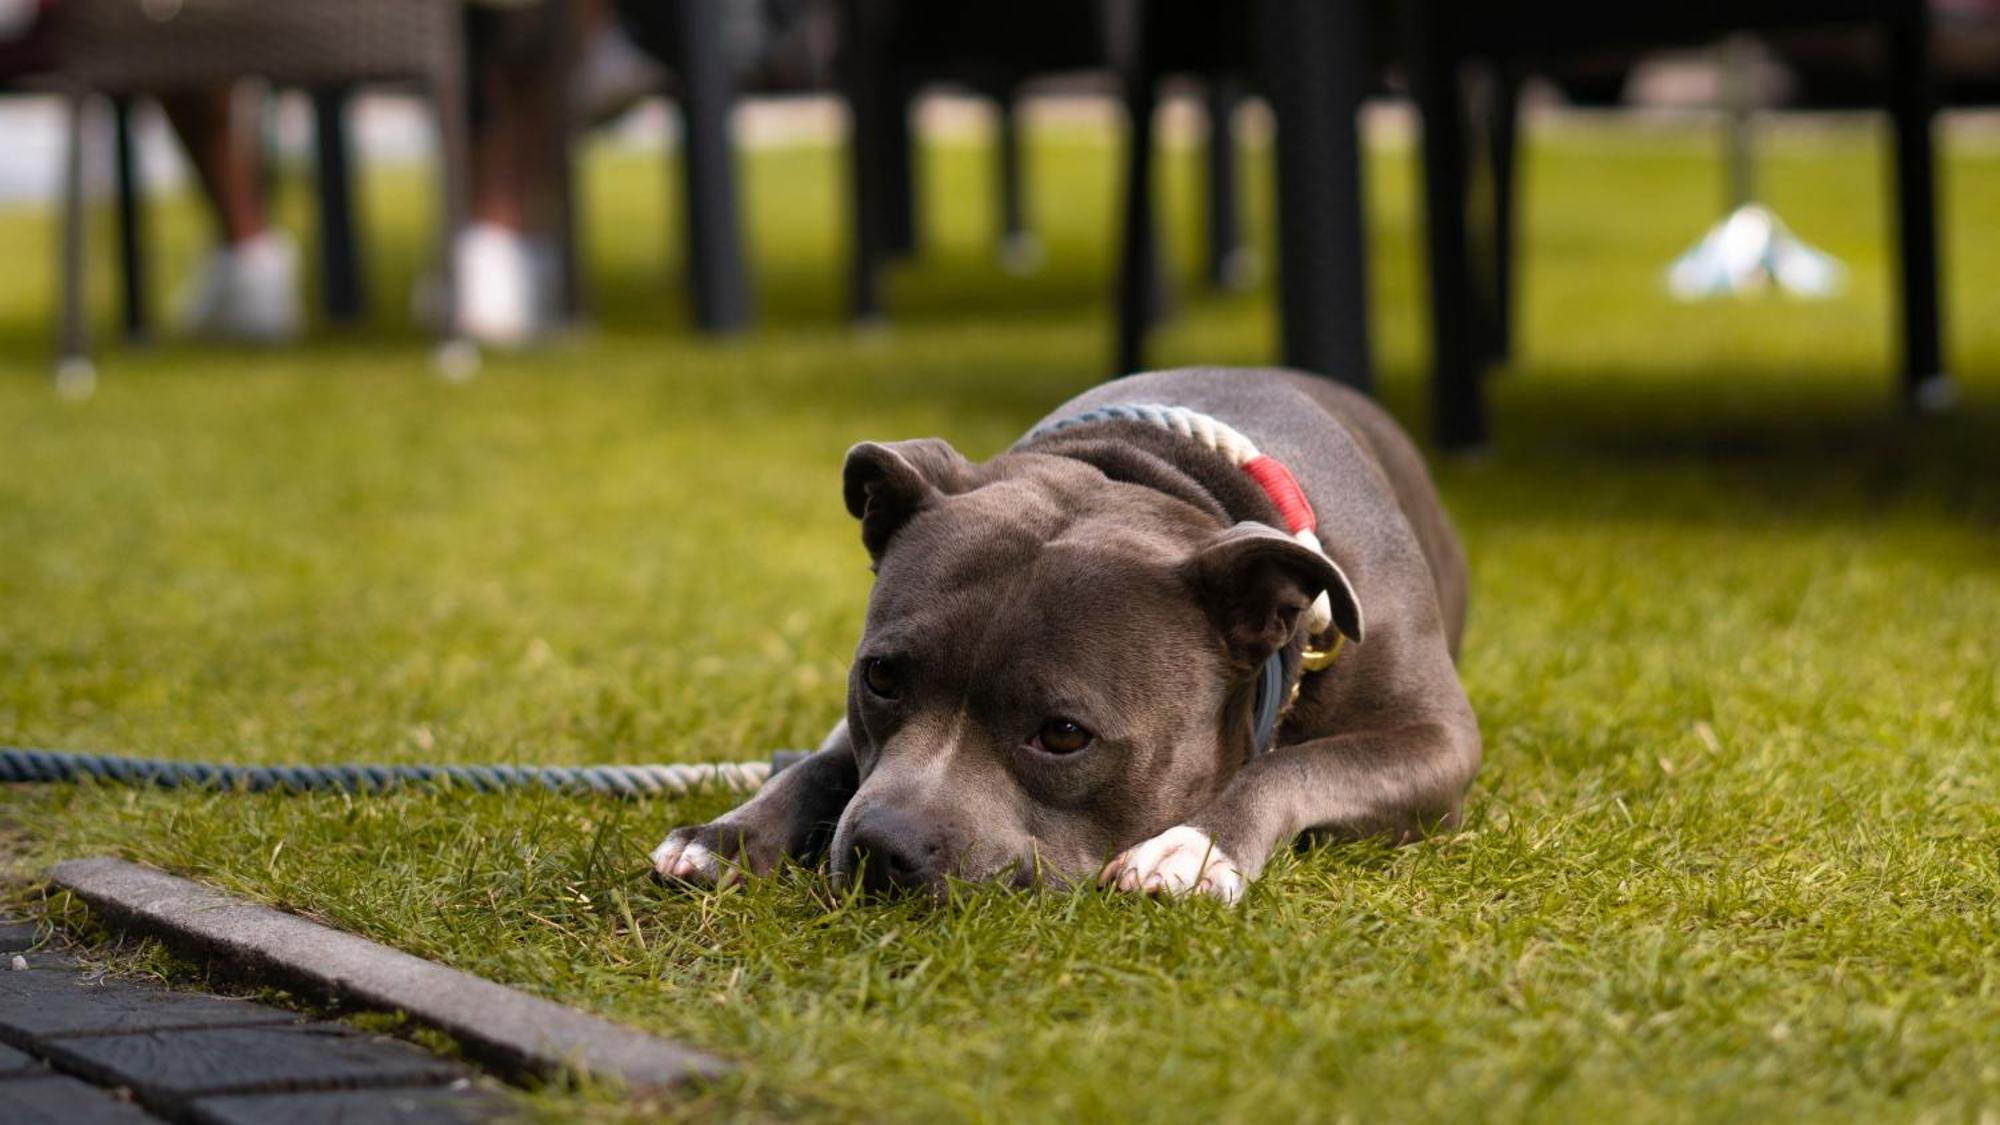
[(887, 483), (1255, 582)]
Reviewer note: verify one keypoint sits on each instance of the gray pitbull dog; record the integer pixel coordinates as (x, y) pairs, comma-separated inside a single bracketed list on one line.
[(1069, 650)]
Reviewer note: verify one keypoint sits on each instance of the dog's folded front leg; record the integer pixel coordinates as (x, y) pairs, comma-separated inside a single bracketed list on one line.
[(1398, 783), (792, 816)]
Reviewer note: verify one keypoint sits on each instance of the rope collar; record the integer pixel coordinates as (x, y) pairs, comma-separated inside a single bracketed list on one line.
[(1322, 642)]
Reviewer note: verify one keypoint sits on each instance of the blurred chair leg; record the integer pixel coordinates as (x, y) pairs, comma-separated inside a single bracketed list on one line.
[(865, 84), (567, 27), (1018, 251), (1313, 55), (715, 243), (72, 338), (572, 290), (1502, 122), (1229, 259), (1138, 286), (131, 221), (339, 253), (448, 96), (900, 172), (1459, 410), (1912, 104)]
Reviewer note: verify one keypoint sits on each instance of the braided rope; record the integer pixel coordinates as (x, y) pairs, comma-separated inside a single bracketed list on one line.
[(22, 765), (1219, 436), (1209, 431)]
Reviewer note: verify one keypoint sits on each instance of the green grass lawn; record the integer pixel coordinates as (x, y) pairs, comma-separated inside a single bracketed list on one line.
[(1735, 853)]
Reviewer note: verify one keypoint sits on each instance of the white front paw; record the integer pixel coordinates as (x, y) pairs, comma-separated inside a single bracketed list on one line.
[(1179, 860), (681, 857)]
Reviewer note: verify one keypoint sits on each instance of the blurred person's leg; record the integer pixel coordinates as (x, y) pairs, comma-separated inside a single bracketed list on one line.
[(507, 264), (248, 286)]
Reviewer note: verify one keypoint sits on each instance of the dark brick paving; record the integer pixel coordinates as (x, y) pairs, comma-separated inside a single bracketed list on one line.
[(76, 1050), (46, 1002), (54, 1099)]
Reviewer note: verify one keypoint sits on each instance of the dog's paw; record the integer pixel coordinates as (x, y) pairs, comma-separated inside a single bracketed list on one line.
[(1177, 861), (708, 855)]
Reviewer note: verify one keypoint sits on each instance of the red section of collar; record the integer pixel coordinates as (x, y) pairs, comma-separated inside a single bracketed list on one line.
[(1283, 489)]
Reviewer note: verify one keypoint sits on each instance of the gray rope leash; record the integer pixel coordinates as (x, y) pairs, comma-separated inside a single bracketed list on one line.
[(19, 765)]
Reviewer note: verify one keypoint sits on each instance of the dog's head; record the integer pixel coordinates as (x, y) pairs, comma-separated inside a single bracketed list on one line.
[(1055, 664)]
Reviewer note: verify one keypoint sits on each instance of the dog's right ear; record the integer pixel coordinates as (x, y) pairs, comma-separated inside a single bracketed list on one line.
[(1256, 582), (887, 483)]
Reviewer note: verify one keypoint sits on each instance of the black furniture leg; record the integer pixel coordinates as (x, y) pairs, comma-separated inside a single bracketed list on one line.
[(899, 171), (1229, 263), (867, 90), (1314, 57), (1138, 265), (1018, 251), (1502, 146), (448, 99), (1458, 408), (339, 253), (572, 295), (715, 243), (131, 221), (74, 374), (1911, 105)]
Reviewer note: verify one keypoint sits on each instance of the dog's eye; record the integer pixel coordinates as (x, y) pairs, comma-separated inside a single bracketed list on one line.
[(879, 677), (1060, 736)]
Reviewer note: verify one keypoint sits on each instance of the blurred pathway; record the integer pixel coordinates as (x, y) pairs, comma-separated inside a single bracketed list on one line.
[(79, 1048)]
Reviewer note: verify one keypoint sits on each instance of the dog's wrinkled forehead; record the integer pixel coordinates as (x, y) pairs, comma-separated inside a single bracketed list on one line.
[(971, 537), (1007, 608), (1029, 588), (1030, 538)]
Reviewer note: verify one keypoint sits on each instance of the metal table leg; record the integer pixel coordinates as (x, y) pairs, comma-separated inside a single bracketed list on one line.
[(900, 171), (340, 260), (1911, 105), (715, 243), (1138, 285), (1458, 418), (564, 125), (1502, 146), (456, 357), (1017, 246), (131, 220), (864, 65), (73, 369), (1314, 60), (1228, 258)]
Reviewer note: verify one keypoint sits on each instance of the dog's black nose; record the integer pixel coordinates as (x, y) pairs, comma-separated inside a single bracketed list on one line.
[(890, 852)]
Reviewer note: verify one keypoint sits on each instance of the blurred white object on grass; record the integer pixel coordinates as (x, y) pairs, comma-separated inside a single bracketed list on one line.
[(246, 291), (1749, 251)]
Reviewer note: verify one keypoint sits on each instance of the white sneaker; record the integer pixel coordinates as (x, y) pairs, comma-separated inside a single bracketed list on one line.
[(247, 291), (500, 298)]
